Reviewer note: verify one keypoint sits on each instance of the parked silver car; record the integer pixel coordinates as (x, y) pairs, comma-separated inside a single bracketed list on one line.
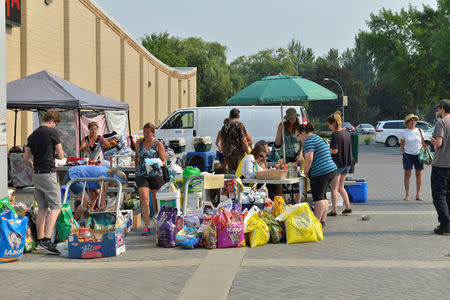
[(365, 129)]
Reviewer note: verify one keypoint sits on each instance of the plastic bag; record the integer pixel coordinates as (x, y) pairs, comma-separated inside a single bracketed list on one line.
[(230, 231), (210, 236), (301, 224), (166, 226), (276, 231), (65, 222), (278, 206), (188, 238), (258, 231), (12, 236)]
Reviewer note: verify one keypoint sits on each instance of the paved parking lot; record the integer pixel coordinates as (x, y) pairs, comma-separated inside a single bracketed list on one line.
[(395, 255)]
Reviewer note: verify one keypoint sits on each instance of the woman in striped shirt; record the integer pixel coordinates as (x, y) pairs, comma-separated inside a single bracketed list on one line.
[(319, 167)]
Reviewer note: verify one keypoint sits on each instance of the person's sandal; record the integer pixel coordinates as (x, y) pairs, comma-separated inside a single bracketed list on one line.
[(332, 214), (346, 212), (406, 198), (419, 198)]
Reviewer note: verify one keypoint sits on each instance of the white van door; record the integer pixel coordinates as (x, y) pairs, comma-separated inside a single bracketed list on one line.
[(179, 125)]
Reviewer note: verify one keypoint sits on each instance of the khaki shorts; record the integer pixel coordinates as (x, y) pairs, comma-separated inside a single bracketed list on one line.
[(47, 190)]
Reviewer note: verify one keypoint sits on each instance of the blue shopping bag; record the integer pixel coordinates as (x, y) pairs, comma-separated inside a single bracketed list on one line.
[(12, 236)]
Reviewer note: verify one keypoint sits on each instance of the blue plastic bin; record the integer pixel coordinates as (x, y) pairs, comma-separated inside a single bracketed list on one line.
[(357, 192)]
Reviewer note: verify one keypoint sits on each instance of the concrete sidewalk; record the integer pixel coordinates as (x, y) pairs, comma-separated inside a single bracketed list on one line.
[(395, 255)]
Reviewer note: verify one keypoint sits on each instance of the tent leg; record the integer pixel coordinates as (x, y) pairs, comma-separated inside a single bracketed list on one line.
[(129, 125), (79, 132), (282, 136), (15, 126)]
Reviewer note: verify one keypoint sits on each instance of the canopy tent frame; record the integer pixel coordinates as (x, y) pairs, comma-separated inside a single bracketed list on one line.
[(43, 90)]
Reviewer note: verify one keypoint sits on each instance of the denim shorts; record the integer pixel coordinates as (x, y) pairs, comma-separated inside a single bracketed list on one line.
[(343, 170), (410, 160)]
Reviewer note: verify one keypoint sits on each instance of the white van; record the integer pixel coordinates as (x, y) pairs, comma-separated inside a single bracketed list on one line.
[(260, 121)]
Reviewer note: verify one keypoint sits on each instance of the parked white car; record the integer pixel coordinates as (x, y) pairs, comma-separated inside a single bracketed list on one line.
[(365, 129), (389, 132)]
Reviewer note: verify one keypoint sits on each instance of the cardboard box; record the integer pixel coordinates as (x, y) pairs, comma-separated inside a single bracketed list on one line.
[(136, 221), (112, 243), (128, 220)]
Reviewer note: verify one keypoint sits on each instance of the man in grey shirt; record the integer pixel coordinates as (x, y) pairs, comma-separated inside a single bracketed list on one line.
[(440, 174)]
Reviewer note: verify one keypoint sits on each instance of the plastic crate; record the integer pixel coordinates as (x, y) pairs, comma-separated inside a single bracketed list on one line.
[(357, 192), (202, 160)]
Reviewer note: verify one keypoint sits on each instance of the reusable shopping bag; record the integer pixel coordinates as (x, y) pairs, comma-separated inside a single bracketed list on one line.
[(258, 231), (275, 229), (230, 229), (65, 222), (301, 224), (277, 206), (166, 227), (12, 236), (425, 154)]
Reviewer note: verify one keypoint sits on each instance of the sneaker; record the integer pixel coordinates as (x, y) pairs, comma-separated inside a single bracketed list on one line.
[(332, 214), (146, 231), (47, 247), (347, 211), (441, 230)]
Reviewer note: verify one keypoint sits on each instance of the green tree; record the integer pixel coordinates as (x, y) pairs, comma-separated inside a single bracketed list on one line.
[(165, 48), (400, 44), (265, 62), (304, 58), (330, 59)]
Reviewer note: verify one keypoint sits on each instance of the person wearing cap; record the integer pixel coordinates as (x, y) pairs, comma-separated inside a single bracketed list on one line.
[(93, 188), (440, 172), (410, 145), (291, 142)]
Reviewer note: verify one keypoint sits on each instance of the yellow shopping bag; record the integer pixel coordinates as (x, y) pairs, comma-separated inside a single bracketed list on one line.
[(258, 231), (301, 224)]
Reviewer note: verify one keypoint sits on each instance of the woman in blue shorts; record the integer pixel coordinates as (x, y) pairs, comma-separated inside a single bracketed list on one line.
[(410, 145), (319, 167)]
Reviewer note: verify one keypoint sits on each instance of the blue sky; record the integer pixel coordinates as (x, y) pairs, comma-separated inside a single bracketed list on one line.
[(247, 26)]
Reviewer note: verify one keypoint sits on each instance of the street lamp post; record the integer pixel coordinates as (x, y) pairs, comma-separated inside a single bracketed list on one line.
[(342, 91)]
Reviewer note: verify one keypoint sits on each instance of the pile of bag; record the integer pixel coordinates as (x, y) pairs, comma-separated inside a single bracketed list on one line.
[(227, 226)]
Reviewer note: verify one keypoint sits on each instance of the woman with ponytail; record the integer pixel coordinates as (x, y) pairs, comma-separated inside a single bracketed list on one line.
[(319, 167), (341, 153)]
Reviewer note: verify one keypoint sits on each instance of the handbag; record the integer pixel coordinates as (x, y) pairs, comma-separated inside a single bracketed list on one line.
[(425, 154)]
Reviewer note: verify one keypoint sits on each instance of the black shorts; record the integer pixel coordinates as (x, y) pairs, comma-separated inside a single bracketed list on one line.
[(319, 185), (151, 182)]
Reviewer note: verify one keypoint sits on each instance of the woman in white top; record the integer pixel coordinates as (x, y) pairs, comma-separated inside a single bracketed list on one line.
[(410, 144), (253, 162)]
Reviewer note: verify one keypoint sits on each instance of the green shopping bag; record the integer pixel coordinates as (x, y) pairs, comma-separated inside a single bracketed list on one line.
[(426, 156), (65, 222)]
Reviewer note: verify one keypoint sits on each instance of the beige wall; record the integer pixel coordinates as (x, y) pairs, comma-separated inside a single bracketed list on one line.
[(76, 40)]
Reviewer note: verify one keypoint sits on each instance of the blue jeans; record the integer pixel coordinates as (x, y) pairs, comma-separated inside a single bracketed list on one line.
[(440, 190)]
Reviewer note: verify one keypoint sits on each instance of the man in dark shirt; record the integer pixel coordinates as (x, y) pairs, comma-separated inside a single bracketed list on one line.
[(42, 144)]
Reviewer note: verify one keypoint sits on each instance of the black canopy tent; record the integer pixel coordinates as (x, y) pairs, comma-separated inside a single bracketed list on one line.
[(44, 90)]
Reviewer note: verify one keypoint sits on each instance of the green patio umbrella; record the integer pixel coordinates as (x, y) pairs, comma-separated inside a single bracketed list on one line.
[(281, 89)]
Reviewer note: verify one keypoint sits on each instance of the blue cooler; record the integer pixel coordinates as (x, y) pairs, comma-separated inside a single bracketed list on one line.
[(357, 192), (202, 160)]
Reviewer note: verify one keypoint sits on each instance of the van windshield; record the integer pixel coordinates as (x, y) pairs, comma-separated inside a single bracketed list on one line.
[(184, 119)]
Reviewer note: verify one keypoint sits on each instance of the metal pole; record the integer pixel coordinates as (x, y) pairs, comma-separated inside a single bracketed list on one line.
[(15, 126), (342, 93), (129, 125), (282, 136), (79, 132)]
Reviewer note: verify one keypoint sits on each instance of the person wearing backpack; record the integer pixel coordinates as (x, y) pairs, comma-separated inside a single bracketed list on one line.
[(234, 141)]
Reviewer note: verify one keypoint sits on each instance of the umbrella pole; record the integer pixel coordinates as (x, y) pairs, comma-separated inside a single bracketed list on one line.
[(282, 136), (79, 131)]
